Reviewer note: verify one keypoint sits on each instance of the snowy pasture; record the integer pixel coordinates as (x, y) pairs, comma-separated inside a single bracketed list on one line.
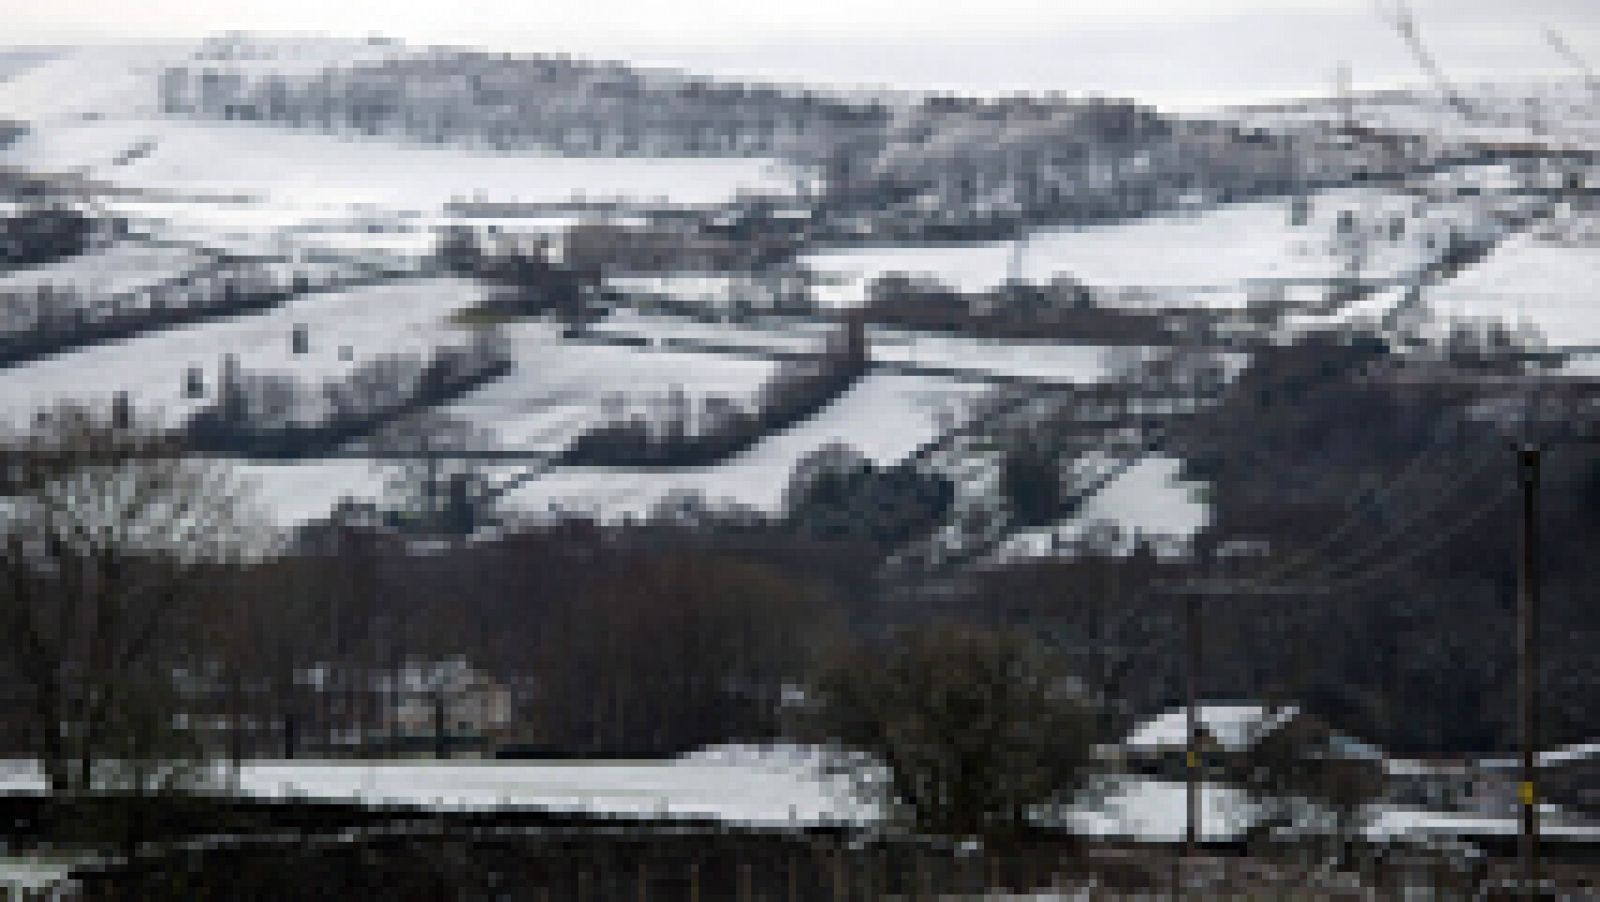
[(94, 112), (1149, 500), (781, 792), (560, 388), (288, 495), (1042, 361), (106, 271), (769, 791), (262, 189), (344, 329), (886, 417), (773, 791), (1529, 281), (1216, 256), (234, 160)]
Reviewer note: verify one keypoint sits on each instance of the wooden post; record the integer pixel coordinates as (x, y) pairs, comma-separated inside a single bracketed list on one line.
[(1528, 663), (1191, 834)]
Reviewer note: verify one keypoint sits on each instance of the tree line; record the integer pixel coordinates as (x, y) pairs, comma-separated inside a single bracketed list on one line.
[(42, 233), (272, 415), (51, 319), (1060, 309), (680, 432), (508, 102)]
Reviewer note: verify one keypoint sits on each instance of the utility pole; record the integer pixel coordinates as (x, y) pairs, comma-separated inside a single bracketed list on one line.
[(1192, 756), (1194, 639), (1529, 456), (1527, 661), (1193, 642)]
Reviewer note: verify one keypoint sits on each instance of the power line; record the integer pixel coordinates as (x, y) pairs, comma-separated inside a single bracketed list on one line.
[(1412, 554), (1373, 499), (1407, 523)]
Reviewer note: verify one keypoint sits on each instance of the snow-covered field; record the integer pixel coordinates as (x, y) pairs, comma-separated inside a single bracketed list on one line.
[(286, 193), (1197, 249), (94, 112), (886, 417), (186, 159), (560, 388), (391, 317), (1529, 281), (767, 791), (287, 495), (103, 272), (1042, 361), (262, 189), (1561, 112), (744, 789), (1148, 500), (1209, 257)]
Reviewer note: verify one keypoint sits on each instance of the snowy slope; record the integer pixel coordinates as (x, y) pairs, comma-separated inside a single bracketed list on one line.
[(559, 388), (1529, 281), (262, 189), (103, 272), (886, 417), (1207, 257), (393, 317), (1149, 500)]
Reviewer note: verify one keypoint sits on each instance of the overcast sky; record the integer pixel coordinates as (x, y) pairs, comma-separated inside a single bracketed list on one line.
[(1180, 52)]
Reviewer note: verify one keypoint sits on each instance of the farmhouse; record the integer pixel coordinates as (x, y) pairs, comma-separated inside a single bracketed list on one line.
[(1237, 738)]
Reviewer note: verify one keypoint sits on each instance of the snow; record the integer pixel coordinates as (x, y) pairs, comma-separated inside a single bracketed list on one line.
[(105, 272), (1234, 727), (292, 494), (263, 189), (259, 189), (711, 290), (386, 318), (1557, 757), (1206, 257), (1391, 823), (1148, 500), (1564, 113), (776, 790), (234, 159), (780, 790), (768, 794), (1570, 754), (87, 81), (559, 388), (886, 417), (22, 877), (1041, 361), (775, 793), (756, 336), (1526, 280), (1150, 810)]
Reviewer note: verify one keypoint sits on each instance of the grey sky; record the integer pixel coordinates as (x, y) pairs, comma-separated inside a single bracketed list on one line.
[(1175, 51)]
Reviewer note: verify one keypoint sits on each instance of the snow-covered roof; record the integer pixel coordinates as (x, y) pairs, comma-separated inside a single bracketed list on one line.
[(1557, 757), (1235, 727)]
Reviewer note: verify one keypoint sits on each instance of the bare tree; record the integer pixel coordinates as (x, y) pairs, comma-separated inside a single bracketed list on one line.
[(436, 485), (101, 532)]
